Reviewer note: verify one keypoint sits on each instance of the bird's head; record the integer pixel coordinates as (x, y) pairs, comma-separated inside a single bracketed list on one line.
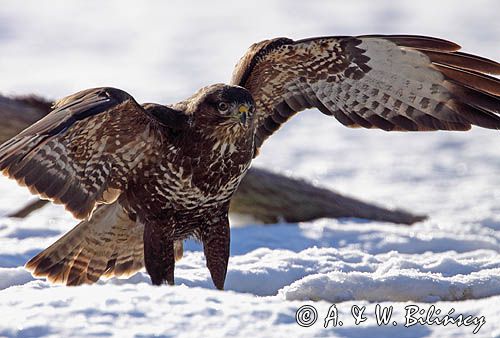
[(227, 110)]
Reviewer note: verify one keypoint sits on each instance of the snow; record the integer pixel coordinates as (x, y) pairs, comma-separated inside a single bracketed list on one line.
[(163, 52)]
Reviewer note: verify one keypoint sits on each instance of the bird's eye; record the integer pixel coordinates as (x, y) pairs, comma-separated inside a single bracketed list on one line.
[(223, 107)]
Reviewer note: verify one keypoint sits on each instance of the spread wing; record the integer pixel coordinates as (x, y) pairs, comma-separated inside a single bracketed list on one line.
[(83, 153), (405, 83)]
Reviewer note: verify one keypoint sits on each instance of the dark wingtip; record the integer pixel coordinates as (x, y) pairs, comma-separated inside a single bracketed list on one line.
[(482, 82), (464, 61)]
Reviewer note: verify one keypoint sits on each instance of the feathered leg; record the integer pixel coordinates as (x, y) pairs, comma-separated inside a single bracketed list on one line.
[(215, 238), (159, 256)]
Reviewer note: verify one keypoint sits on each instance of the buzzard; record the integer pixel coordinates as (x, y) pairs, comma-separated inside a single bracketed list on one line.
[(142, 178)]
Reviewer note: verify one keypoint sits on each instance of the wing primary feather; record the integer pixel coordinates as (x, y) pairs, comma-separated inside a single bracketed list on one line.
[(482, 82), (464, 61), (477, 115), (465, 93)]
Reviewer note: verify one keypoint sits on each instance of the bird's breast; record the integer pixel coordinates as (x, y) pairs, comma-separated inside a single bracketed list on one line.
[(185, 182)]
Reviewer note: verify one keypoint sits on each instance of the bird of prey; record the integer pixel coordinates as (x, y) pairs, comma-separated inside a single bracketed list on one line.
[(142, 178)]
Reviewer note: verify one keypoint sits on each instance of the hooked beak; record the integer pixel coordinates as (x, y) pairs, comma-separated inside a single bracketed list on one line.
[(243, 110)]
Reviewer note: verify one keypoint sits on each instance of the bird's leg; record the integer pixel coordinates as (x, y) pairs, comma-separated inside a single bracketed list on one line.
[(159, 256), (215, 238)]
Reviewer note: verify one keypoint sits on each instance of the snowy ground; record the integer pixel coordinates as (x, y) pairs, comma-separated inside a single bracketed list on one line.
[(166, 51)]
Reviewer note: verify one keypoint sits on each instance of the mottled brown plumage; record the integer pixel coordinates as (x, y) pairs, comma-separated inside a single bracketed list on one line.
[(404, 83), (167, 173), (144, 178)]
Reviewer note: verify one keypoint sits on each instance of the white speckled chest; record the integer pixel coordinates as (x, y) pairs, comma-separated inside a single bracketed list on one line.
[(190, 184)]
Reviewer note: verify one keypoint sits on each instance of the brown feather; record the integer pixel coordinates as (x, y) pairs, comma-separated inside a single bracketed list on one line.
[(93, 249), (62, 156), (418, 42), (478, 81), (464, 61), (399, 82), (99, 146)]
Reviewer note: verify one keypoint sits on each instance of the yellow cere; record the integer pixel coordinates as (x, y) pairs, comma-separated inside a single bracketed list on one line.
[(243, 108)]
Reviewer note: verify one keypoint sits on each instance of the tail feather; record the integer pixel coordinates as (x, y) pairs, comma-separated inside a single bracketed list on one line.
[(108, 245)]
